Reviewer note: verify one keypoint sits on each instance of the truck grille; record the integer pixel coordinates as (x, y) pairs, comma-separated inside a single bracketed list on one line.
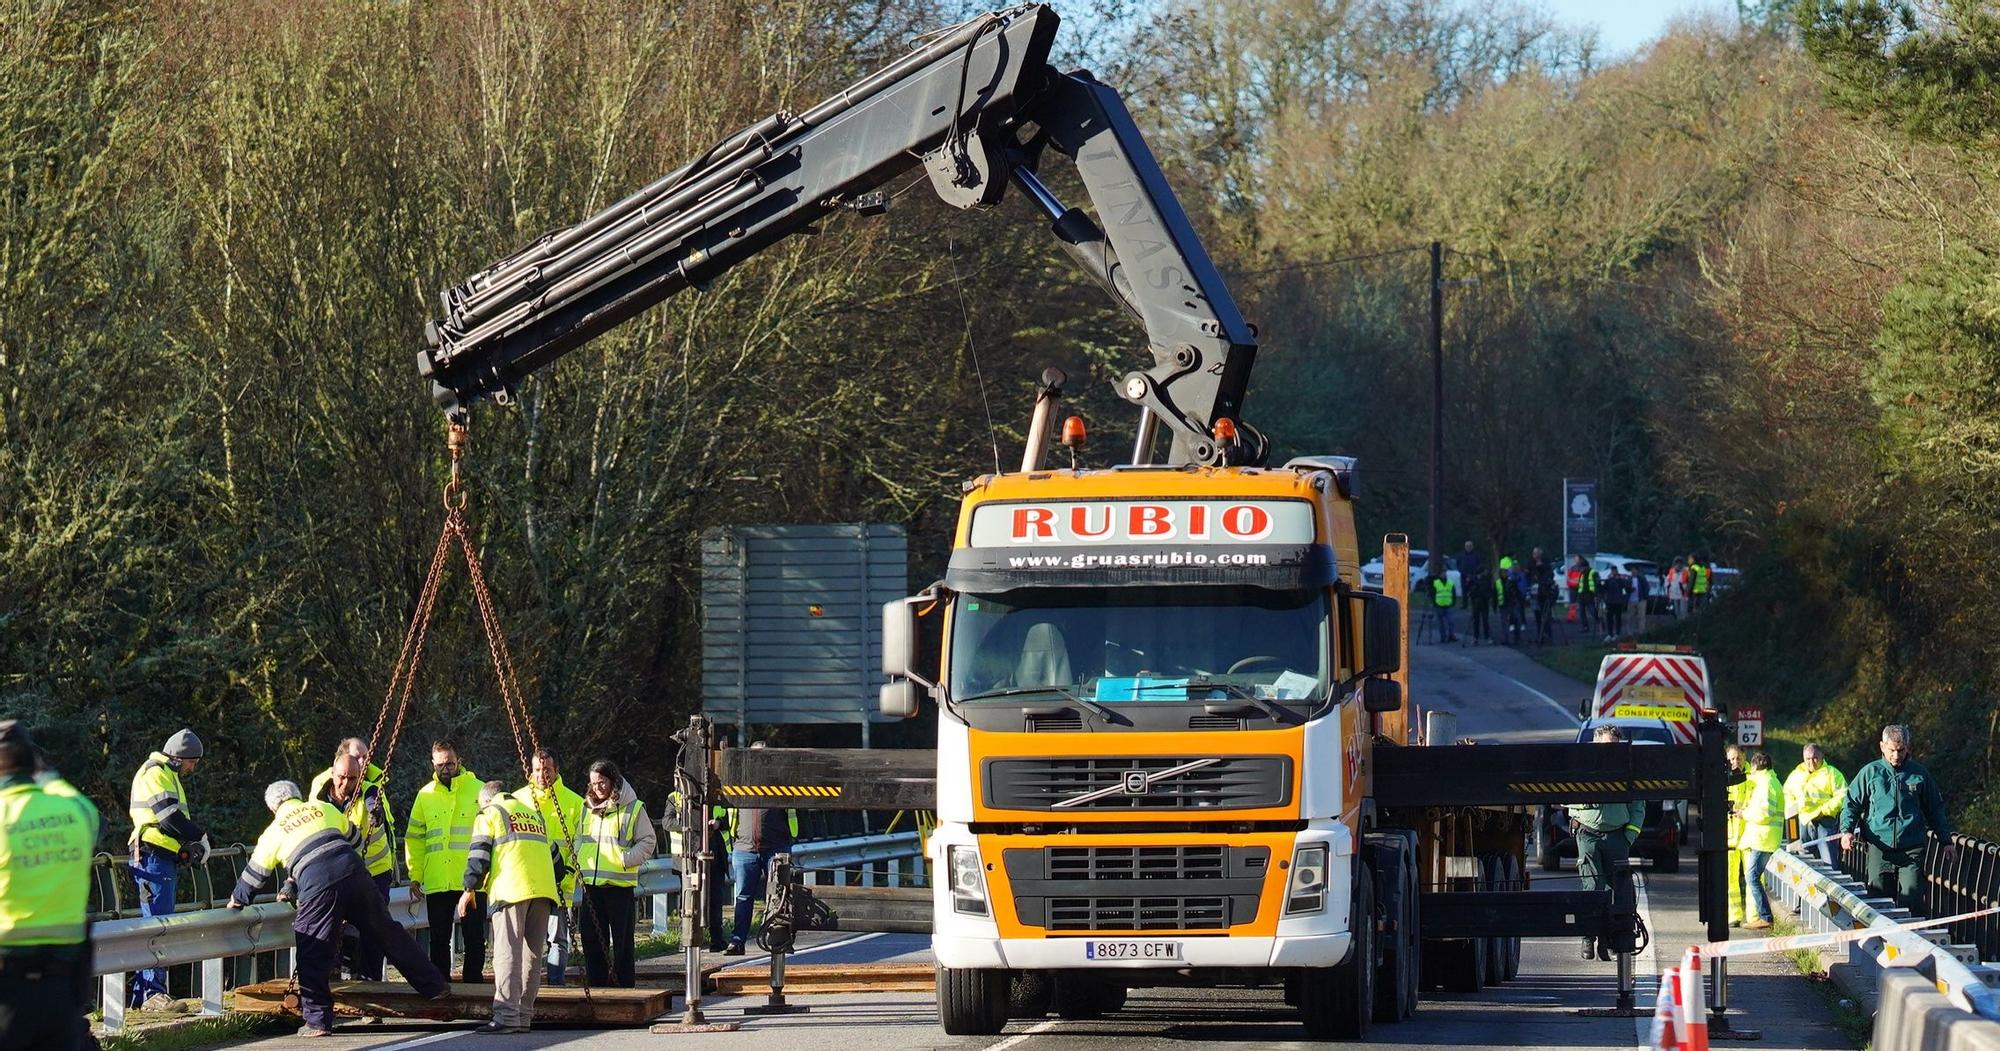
[(1120, 888), (1207, 912), (1236, 782)]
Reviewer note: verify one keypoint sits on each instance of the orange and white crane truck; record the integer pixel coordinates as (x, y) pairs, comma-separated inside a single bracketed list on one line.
[(1175, 738)]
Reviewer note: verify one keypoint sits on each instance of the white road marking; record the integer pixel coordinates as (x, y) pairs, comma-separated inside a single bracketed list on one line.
[(419, 1041), (1038, 1028), (1551, 701), (1645, 965)]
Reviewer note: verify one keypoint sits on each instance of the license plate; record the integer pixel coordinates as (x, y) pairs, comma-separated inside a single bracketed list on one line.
[(1131, 950)]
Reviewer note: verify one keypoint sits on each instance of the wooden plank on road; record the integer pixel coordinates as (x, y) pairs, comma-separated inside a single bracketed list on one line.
[(555, 1004)]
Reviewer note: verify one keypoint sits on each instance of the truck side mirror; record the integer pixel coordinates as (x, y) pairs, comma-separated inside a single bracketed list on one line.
[(899, 698), (1381, 695), (1381, 635), (913, 636)]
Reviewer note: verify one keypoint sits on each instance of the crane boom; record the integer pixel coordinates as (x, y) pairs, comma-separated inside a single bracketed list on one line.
[(977, 107)]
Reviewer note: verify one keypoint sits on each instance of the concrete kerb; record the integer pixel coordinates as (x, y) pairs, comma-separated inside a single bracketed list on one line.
[(1914, 1016)]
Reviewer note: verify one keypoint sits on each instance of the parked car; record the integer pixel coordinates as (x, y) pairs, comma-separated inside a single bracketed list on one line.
[(1371, 571), (1603, 562), (1660, 833)]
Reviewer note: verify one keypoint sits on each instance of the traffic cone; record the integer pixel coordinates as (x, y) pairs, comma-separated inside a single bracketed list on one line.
[(1694, 1003), (1665, 1007)]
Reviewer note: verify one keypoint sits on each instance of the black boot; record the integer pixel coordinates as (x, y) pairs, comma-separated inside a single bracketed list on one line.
[(1589, 947)]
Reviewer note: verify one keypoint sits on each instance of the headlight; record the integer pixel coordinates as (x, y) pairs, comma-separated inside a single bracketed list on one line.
[(1307, 890), (966, 880)]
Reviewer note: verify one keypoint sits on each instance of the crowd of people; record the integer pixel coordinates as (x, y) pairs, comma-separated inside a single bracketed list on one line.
[(526, 864), (1608, 605), (1891, 808)]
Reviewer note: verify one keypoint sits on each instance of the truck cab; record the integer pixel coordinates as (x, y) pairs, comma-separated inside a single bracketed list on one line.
[(1152, 748)]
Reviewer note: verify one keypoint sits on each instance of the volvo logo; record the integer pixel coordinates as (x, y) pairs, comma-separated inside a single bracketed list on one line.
[(1136, 782)]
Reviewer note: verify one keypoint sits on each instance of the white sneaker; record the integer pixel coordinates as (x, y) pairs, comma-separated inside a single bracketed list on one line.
[(164, 1004)]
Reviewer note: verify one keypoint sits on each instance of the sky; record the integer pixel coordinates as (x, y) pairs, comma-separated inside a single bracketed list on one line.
[(1623, 26)]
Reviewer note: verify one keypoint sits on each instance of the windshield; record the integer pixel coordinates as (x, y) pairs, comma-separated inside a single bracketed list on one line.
[(1656, 733), (1139, 644)]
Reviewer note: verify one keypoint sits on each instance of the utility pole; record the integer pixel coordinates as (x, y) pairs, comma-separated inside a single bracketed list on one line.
[(1437, 404)]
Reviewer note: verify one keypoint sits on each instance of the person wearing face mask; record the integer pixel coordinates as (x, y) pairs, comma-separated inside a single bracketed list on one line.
[(1893, 806), (1814, 792), (617, 838), (562, 811), (439, 834), (354, 786), (164, 836)]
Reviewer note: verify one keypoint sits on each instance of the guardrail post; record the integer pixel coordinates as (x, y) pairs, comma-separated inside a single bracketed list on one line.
[(661, 923), (895, 872), (211, 988), (112, 1002)]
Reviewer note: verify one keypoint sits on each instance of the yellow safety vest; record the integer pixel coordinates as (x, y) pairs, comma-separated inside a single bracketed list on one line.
[(562, 813), (1814, 793), (378, 849), (307, 838), (156, 793), (440, 831), (1699, 574), (1441, 593), (1763, 814), (1738, 794), (607, 835), (45, 844), (510, 835)]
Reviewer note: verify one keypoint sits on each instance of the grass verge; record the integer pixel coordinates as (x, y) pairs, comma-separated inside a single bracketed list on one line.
[(205, 1032), (1849, 1017)]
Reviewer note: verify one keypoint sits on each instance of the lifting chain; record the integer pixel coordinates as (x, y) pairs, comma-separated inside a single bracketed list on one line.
[(403, 676)]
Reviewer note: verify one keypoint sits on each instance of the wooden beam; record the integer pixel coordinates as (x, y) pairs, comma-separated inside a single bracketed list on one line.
[(555, 1004)]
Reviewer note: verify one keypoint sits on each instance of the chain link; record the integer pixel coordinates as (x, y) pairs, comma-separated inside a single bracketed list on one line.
[(403, 677)]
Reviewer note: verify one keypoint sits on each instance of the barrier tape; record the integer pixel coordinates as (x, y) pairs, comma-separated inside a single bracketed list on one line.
[(1758, 946)]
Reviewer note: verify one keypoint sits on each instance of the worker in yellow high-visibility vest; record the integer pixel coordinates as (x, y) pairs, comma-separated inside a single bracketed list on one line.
[(1762, 834), (435, 842), (1814, 793), (47, 834), (164, 837), (1739, 794), (617, 838), (513, 860), (562, 812), (354, 785)]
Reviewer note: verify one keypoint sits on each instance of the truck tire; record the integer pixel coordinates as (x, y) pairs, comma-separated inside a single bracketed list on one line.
[(1338, 1003), (1396, 978), (1490, 877), (1460, 964), (1080, 997), (1516, 876), (972, 1002)]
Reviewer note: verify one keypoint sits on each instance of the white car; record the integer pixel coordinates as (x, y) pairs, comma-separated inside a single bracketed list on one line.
[(1602, 562), (1371, 571)]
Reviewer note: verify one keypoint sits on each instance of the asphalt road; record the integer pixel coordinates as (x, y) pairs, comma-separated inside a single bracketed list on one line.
[(1499, 696)]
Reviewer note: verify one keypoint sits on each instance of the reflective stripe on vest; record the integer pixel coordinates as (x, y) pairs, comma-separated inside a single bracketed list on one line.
[(44, 866), (156, 794), (606, 838)]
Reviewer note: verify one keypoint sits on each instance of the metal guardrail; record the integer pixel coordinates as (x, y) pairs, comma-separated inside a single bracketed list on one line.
[(1833, 901), (209, 936)]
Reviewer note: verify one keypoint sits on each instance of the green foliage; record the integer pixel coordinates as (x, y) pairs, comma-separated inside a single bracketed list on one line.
[(1936, 75)]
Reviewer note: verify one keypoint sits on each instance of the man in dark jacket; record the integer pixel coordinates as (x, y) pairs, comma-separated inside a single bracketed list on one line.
[(1542, 582), (1476, 591), (1893, 806)]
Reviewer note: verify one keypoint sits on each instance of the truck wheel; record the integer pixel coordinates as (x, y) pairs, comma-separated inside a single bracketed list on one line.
[(1032, 993), (972, 1002), (1337, 1003), (1396, 979), (1461, 964), (1414, 920), (1512, 870), (1496, 947), (1080, 997)]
